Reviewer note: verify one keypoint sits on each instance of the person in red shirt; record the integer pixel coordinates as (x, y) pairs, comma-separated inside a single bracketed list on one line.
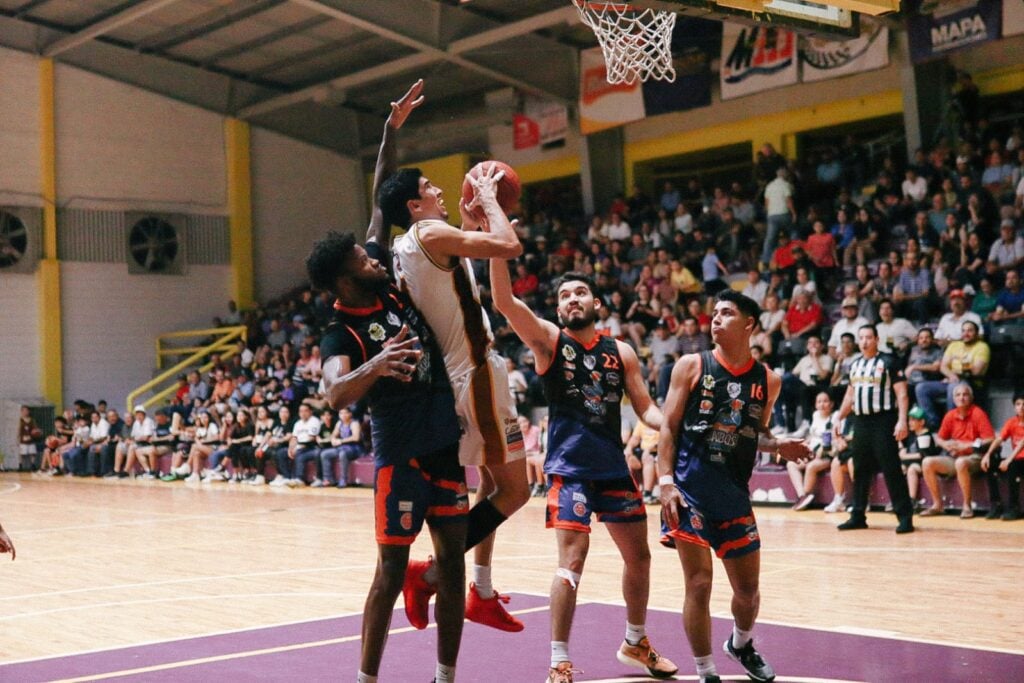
[(526, 283), (803, 317), (783, 259), (1012, 466), (964, 434)]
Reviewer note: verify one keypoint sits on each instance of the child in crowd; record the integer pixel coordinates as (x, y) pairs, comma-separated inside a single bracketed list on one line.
[(919, 444)]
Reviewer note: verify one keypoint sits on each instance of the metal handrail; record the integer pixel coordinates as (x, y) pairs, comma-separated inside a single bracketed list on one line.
[(162, 351), (224, 345)]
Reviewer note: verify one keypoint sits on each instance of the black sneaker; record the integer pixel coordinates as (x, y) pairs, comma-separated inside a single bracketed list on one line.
[(905, 527), (751, 660), (710, 678), (1012, 515), (853, 523), (995, 512)]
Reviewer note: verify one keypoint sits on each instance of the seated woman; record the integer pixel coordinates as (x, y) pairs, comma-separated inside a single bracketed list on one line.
[(340, 440), (207, 438), (804, 475)]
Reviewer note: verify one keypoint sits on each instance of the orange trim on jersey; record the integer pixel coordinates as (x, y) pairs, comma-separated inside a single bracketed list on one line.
[(384, 539), (734, 545), (732, 369), (688, 538), (456, 486), (745, 521), (447, 511), (365, 310), (481, 388), (593, 342), (360, 341), (568, 526), (621, 494)]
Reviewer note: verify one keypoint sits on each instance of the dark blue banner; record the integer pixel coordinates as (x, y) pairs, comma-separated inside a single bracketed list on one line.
[(695, 42), (950, 26)]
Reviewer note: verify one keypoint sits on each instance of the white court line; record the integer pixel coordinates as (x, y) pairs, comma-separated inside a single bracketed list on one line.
[(14, 488)]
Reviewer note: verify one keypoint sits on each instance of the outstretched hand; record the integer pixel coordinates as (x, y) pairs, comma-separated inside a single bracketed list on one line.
[(485, 185), (793, 450), (401, 109)]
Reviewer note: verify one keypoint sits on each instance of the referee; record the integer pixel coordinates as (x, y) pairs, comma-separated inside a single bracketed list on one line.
[(877, 397)]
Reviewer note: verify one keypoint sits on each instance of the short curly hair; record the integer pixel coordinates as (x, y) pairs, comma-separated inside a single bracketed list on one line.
[(326, 261), (395, 193)]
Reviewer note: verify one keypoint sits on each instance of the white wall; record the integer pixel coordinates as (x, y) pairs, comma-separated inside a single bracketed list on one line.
[(111, 320), (120, 147), (19, 336), (299, 192), (19, 129)]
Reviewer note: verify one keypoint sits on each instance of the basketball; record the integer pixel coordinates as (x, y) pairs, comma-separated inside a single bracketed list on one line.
[(37, 433), (52, 442), (509, 188)]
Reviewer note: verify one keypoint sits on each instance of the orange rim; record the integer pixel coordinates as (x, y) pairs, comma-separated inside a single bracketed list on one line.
[(599, 6)]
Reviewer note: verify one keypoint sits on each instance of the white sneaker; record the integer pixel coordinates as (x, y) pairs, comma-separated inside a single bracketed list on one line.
[(316, 484), (278, 482), (258, 480), (293, 483), (149, 475), (192, 478), (182, 470), (838, 504)]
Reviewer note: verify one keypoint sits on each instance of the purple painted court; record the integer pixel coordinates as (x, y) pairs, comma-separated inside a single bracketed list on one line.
[(328, 650)]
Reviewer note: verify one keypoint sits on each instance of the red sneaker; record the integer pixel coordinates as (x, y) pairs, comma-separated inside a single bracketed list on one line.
[(417, 592), (491, 611)]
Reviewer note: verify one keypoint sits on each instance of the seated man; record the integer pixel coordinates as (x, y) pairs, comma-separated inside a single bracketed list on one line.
[(963, 361), (1012, 466), (965, 434), (302, 449), (951, 324), (342, 442), (641, 454)]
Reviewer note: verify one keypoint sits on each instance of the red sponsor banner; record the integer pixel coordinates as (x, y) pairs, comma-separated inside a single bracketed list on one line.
[(525, 132)]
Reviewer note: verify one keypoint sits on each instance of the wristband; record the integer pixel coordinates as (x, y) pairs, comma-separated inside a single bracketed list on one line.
[(666, 480)]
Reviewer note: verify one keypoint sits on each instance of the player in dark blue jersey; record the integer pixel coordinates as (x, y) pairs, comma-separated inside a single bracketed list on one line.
[(378, 348), (717, 411), (585, 377)]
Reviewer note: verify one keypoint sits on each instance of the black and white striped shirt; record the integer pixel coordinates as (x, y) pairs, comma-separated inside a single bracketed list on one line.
[(872, 380)]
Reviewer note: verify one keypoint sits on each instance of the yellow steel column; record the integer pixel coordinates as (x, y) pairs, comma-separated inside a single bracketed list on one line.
[(48, 275), (239, 171)]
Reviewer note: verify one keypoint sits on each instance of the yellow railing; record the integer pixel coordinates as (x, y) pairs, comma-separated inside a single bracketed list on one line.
[(223, 344)]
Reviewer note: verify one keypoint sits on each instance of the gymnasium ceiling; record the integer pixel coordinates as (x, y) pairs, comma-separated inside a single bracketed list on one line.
[(323, 71)]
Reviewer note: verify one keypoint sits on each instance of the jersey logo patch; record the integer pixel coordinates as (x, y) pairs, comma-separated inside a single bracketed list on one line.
[(709, 382), (706, 407), (733, 389), (377, 332), (579, 497), (569, 353), (393, 319), (589, 362), (405, 506)]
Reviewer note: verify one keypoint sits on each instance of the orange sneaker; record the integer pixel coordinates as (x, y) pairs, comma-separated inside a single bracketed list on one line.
[(643, 656), (416, 592), (491, 612), (561, 673)]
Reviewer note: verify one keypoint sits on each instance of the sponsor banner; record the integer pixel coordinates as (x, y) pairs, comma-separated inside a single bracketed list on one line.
[(943, 27), (695, 42), (1013, 17), (756, 58), (602, 104), (542, 122), (824, 59)]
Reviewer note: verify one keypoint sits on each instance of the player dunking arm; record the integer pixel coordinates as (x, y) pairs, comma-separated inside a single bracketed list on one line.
[(585, 375), (716, 419), (369, 352), (432, 265)]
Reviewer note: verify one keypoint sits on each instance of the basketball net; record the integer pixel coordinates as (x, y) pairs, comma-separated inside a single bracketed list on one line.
[(637, 44)]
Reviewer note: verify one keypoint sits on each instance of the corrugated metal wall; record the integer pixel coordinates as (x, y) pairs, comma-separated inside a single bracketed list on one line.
[(97, 236)]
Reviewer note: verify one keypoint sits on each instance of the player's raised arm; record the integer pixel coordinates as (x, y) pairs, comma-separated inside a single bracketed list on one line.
[(387, 158), (538, 334), (639, 396), (684, 376)]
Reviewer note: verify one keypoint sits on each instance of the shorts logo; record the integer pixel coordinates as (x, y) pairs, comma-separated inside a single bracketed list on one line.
[(734, 389), (752, 536), (462, 503), (569, 353), (589, 362), (406, 521), (377, 332), (513, 436), (696, 522), (579, 497), (393, 319), (405, 506), (709, 382), (579, 509)]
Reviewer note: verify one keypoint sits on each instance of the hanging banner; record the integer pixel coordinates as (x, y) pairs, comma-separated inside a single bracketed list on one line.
[(755, 59), (951, 26), (824, 59), (543, 122), (1013, 17), (602, 104)]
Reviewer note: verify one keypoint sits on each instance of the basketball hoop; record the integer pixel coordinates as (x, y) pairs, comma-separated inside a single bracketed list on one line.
[(637, 43)]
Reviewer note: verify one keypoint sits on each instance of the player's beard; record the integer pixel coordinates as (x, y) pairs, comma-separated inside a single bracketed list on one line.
[(375, 284), (582, 322)]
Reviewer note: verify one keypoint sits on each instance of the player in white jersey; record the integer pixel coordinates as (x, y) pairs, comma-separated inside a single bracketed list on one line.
[(431, 262)]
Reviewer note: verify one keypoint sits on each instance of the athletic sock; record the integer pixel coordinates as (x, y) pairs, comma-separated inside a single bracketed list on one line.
[(365, 678), (484, 518), (635, 633), (482, 579), (444, 674), (705, 666), (741, 638), (559, 652)]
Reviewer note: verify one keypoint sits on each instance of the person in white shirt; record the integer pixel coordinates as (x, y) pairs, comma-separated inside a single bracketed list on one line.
[(302, 449), (1007, 253), (99, 432), (915, 188), (207, 437), (780, 210), (850, 322), (895, 335), (804, 475), (608, 323), (756, 288), (616, 228), (143, 429), (950, 325)]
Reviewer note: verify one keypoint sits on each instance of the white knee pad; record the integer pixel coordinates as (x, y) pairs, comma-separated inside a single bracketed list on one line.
[(570, 577)]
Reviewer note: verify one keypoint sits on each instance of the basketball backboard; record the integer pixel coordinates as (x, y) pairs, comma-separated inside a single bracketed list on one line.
[(835, 19)]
